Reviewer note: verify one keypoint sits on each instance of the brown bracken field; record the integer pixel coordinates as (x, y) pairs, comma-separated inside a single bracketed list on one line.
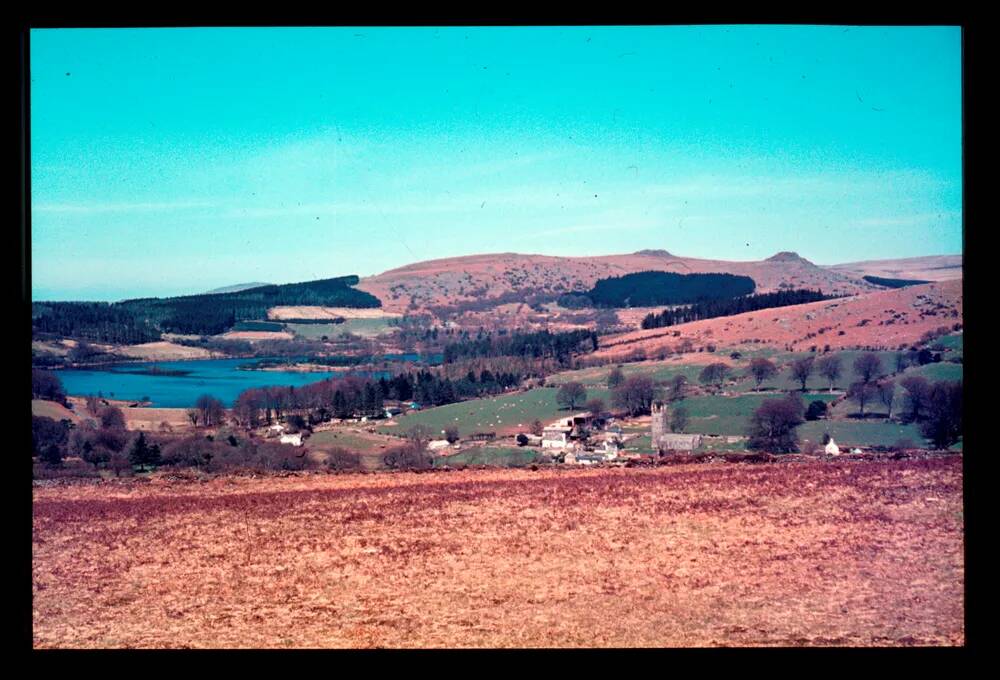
[(858, 553)]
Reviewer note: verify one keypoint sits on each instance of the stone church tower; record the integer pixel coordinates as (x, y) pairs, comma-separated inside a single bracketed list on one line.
[(660, 423)]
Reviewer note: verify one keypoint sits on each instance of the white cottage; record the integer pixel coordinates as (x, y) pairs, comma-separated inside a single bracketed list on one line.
[(293, 439)]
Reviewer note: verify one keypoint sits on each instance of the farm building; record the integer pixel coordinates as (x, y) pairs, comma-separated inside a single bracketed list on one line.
[(556, 437), (577, 420), (293, 439)]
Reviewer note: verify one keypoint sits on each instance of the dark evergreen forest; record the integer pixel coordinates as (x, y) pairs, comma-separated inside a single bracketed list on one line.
[(893, 283), (649, 289), (714, 308), (143, 319)]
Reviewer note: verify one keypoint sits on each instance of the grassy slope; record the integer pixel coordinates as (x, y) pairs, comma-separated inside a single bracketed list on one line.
[(368, 328), (489, 455), (860, 433), (658, 370), (728, 415), (353, 441), (508, 413), (50, 409)]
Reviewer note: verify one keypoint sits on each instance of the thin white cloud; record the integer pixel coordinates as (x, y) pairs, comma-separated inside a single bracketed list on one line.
[(90, 208)]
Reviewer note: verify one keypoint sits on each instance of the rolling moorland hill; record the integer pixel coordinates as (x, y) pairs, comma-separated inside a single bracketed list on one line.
[(479, 277), (932, 268), (886, 318)]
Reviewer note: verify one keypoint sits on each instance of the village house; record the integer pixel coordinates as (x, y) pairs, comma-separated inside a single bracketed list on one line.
[(561, 433)]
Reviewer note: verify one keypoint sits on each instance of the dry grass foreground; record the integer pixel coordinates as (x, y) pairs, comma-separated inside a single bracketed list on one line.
[(842, 553)]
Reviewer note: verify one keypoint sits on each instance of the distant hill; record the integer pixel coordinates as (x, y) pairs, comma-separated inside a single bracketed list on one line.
[(237, 288), (930, 268), (480, 278)]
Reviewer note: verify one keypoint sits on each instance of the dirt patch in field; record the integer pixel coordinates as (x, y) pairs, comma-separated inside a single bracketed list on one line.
[(164, 351), (152, 419), (257, 335), (51, 409), (813, 554)]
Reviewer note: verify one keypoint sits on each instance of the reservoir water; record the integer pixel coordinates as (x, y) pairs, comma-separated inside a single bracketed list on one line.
[(180, 383)]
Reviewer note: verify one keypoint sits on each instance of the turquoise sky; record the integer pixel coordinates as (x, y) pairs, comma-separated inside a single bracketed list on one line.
[(172, 161)]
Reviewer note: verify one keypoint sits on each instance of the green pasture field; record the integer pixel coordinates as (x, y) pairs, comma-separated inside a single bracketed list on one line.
[(784, 380), (953, 343), (933, 372), (723, 415), (660, 371), (505, 413), (860, 433), (489, 455)]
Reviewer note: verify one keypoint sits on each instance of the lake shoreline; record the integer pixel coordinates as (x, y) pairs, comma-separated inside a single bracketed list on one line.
[(178, 384)]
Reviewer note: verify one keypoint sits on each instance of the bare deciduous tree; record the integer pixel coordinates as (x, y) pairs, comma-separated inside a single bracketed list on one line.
[(761, 370)]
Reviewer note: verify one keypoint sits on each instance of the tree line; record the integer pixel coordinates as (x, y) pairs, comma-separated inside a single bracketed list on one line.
[(95, 321), (355, 396), (542, 344), (143, 319), (893, 283), (710, 309)]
